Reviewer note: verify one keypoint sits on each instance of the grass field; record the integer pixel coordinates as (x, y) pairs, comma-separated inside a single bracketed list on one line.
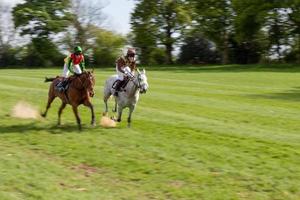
[(199, 133)]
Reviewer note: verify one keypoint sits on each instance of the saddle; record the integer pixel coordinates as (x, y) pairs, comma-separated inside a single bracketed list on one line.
[(122, 84), (63, 85)]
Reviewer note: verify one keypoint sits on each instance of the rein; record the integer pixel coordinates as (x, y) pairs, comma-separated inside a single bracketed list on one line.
[(138, 85)]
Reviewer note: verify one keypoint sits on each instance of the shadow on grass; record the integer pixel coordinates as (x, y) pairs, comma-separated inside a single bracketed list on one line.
[(289, 95), (37, 127)]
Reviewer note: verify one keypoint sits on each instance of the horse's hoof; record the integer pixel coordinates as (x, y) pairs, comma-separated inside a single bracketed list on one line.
[(104, 114), (43, 115), (118, 120)]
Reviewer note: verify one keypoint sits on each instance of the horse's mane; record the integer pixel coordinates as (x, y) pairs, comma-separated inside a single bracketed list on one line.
[(78, 80)]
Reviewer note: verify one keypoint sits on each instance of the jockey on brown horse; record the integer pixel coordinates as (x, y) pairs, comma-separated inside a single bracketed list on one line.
[(125, 67), (79, 91), (75, 64)]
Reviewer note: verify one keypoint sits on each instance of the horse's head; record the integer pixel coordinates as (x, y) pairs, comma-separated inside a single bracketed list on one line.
[(89, 82), (141, 80)]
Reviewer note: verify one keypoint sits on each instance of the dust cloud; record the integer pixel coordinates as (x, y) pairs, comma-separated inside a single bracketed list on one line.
[(24, 110)]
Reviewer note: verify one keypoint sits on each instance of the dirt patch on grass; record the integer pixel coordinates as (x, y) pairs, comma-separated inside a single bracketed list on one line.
[(88, 170)]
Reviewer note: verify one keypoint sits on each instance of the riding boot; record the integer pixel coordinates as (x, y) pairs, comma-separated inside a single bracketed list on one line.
[(118, 87), (61, 86)]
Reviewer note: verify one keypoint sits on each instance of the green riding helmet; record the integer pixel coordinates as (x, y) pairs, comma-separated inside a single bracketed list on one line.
[(78, 49)]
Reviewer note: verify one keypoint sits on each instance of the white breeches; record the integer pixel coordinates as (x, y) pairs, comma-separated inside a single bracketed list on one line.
[(122, 75), (77, 69), (66, 71)]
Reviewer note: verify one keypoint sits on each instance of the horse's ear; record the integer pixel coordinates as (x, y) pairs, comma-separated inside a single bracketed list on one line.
[(144, 71), (92, 70), (138, 70)]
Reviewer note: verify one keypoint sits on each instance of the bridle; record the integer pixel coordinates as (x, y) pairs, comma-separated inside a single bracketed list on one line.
[(138, 84)]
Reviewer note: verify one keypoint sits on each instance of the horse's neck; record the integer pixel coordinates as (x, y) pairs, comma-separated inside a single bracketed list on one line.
[(131, 89)]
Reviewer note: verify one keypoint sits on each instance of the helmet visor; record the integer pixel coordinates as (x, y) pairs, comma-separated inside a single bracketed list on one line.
[(130, 54)]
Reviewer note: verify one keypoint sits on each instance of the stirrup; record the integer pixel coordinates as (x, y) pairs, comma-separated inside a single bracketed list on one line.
[(60, 89)]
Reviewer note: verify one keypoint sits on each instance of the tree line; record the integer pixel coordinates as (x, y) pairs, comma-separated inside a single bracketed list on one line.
[(163, 31), (52, 28), (217, 31)]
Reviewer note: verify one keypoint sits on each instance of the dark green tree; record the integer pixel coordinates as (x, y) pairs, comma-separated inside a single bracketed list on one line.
[(249, 20), (86, 16), (40, 20), (157, 22), (278, 31), (198, 50), (293, 9), (107, 47), (215, 20), (143, 29)]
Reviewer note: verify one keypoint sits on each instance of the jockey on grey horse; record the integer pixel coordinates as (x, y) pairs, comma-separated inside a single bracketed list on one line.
[(125, 67), (129, 96)]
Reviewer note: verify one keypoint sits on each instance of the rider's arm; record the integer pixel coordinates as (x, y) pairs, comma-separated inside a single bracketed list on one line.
[(69, 64), (120, 64), (82, 64)]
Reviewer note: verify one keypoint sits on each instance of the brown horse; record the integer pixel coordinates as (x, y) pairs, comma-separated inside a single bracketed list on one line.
[(80, 91)]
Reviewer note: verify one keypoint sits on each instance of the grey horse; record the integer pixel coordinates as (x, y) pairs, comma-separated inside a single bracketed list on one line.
[(128, 97)]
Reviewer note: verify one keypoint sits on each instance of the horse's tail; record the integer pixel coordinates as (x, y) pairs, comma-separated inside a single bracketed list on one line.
[(49, 79)]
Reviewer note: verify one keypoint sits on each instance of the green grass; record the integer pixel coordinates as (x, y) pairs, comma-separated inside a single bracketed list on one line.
[(199, 133)]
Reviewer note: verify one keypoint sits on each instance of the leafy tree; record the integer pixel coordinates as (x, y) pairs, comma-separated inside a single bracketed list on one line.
[(41, 19), (156, 22), (158, 56), (198, 50), (215, 20), (249, 22), (171, 17), (86, 16), (143, 29), (278, 30), (293, 6), (107, 47)]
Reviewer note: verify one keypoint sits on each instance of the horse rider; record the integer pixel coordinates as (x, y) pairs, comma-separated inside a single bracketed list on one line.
[(74, 64), (125, 67)]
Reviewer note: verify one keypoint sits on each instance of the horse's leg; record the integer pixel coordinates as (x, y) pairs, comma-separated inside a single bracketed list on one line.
[(106, 95), (120, 110), (90, 105), (116, 105), (63, 105), (75, 110), (131, 109), (105, 105), (51, 97)]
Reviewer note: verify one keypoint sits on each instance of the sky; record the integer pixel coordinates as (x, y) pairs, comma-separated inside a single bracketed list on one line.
[(117, 13)]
